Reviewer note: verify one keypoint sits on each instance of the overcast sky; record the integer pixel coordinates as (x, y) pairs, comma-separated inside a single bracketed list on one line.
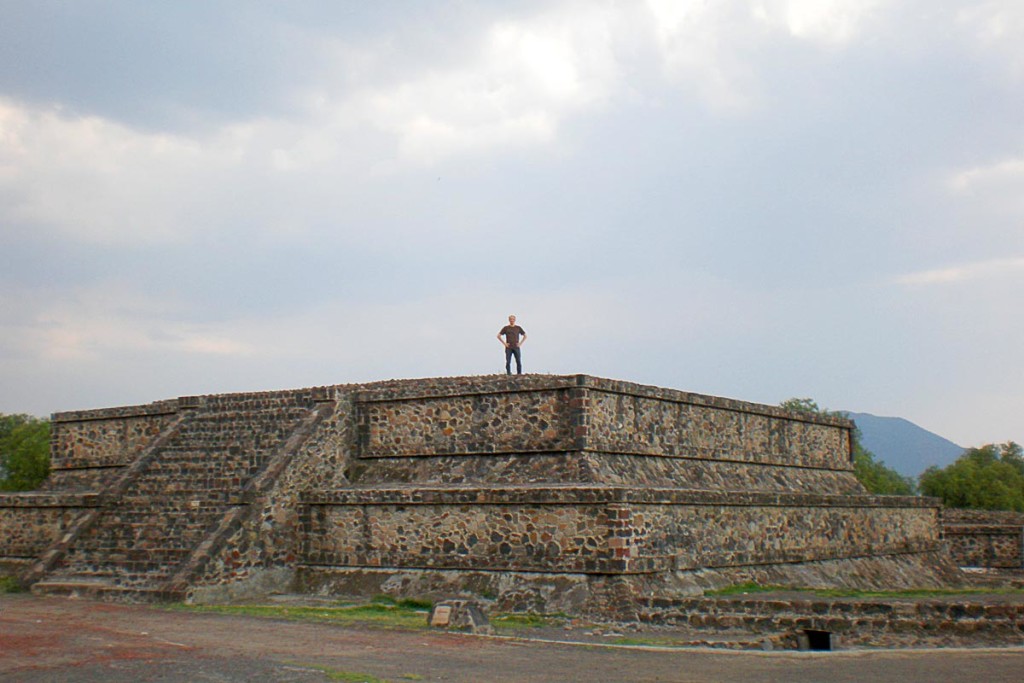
[(761, 200)]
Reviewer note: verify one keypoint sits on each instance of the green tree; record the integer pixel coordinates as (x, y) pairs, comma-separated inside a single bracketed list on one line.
[(990, 477), (872, 473), (24, 452), (877, 477)]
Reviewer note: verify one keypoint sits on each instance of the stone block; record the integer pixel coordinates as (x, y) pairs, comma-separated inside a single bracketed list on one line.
[(460, 615)]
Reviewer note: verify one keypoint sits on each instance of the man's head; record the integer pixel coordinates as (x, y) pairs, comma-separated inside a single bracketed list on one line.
[(511, 320)]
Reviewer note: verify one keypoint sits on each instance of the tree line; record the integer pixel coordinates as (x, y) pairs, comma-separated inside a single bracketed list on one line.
[(988, 478), (24, 452)]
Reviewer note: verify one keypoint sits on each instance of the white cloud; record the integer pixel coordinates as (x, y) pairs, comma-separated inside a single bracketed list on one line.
[(830, 23), (1009, 172), (964, 272), (700, 45), (997, 30), (516, 88), (97, 181), (995, 192), (93, 178), (717, 47), (102, 322)]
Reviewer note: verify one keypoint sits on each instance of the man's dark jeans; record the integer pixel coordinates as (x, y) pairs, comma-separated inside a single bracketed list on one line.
[(508, 360)]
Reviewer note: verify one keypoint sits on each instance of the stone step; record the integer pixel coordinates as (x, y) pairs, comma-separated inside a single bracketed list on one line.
[(179, 492), (215, 406), (122, 573), (851, 622), (106, 591), (173, 503), (217, 453), (685, 638), (103, 539), (113, 575), (216, 431), (145, 530), (167, 517), (257, 431), (199, 476), (216, 458), (243, 439), (119, 569), (122, 532), (211, 473), (119, 554), (183, 485), (178, 496)]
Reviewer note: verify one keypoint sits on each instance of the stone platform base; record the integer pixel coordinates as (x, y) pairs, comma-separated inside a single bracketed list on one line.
[(504, 591), (105, 592), (797, 620), (894, 572), (622, 596)]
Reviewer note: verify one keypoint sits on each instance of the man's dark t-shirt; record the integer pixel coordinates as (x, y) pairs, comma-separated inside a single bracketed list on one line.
[(512, 334)]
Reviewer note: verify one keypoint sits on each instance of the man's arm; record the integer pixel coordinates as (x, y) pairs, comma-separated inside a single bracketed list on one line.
[(503, 342), (523, 340)]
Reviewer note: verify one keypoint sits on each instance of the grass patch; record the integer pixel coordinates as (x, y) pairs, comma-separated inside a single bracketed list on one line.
[(9, 584), (349, 676), (383, 612), (406, 603), (380, 615), (750, 587), (744, 588), (523, 621), (650, 642), (353, 676)]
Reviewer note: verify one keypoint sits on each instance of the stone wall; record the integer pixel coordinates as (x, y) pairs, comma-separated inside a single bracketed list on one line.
[(790, 528), (579, 483), (521, 432), (88, 447), (31, 522), (559, 414), (985, 538), (574, 480), (499, 422), (623, 420), (851, 622), (604, 530)]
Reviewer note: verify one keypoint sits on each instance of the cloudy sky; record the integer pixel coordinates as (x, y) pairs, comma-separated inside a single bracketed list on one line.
[(758, 199)]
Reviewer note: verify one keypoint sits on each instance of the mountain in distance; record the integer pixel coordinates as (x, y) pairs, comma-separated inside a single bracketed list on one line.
[(902, 445)]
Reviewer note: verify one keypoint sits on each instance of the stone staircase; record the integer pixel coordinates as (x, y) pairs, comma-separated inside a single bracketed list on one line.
[(166, 511)]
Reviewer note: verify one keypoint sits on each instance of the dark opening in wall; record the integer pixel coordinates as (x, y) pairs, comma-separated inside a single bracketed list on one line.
[(818, 640)]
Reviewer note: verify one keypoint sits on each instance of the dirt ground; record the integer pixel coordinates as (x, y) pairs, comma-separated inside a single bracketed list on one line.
[(57, 639)]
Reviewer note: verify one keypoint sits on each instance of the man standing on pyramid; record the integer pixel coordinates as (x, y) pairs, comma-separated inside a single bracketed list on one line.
[(513, 343)]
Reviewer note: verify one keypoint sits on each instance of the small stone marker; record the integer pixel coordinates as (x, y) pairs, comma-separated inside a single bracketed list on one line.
[(441, 615), (464, 615)]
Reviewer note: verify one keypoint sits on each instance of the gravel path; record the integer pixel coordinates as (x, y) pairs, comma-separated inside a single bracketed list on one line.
[(54, 639)]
